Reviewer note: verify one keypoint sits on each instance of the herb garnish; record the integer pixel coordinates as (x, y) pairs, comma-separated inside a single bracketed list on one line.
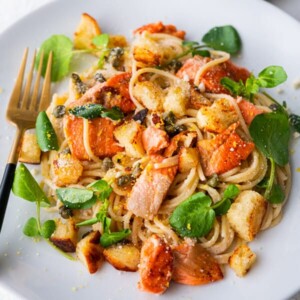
[(269, 77), (195, 216), (92, 111), (62, 48)]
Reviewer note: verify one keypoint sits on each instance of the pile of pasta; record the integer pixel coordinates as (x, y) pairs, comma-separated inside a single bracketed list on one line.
[(182, 133)]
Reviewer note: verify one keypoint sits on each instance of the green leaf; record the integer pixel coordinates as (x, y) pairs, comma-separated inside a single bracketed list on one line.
[(101, 40), (235, 88), (231, 191), (47, 229), (101, 188), (271, 133), (295, 122), (114, 113), (272, 76), (203, 53), (225, 38), (26, 187), (88, 111), (88, 222), (62, 48), (277, 195), (108, 239), (31, 228), (251, 86), (46, 136), (190, 44), (193, 217), (223, 207), (76, 198)]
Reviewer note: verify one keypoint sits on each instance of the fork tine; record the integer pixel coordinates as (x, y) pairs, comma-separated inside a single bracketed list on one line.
[(24, 100), (15, 96), (37, 83), (46, 91)]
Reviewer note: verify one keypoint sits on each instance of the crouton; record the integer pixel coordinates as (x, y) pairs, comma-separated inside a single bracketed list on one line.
[(176, 99), (117, 41), (129, 136), (67, 169), (65, 235), (218, 117), (194, 265), (242, 260), (30, 151), (246, 213), (87, 29), (188, 158), (149, 94), (90, 252), (156, 265), (124, 257)]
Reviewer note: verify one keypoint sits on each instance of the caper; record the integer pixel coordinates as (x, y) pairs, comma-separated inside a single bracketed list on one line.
[(274, 107), (59, 111), (115, 56), (65, 212), (140, 115), (66, 151), (99, 77), (213, 181), (80, 86), (107, 164), (124, 180), (174, 65)]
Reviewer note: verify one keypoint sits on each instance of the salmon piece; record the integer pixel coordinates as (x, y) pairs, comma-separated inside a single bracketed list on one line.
[(185, 138), (101, 137), (154, 140), (194, 265), (116, 93), (212, 77), (150, 189), (159, 27), (249, 111), (224, 152), (155, 266)]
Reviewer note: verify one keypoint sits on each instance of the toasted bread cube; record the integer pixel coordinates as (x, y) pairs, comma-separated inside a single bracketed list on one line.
[(246, 213), (176, 99), (149, 94), (90, 252), (124, 257), (67, 169), (218, 117), (65, 235), (30, 151), (129, 135), (117, 41), (188, 158), (87, 29), (242, 260)]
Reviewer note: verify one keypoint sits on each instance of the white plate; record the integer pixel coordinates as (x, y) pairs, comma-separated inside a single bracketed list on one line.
[(34, 270)]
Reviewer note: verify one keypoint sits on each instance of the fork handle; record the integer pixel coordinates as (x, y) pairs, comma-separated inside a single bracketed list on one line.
[(6, 185)]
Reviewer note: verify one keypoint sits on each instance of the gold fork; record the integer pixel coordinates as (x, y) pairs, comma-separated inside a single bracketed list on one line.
[(22, 111)]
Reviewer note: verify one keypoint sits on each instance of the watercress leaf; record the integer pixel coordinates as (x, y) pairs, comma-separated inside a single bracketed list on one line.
[(223, 208), (101, 188), (76, 198), (88, 222), (225, 38), (108, 239), (106, 224), (31, 228), (45, 134), (231, 192), (88, 111), (113, 113), (251, 86), (271, 133), (103, 55), (203, 53), (263, 184), (47, 229), (26, 187), (193, 217), (62, 49), (101, 40), (295, 122), (277, 195), (235, 88), (272, 76)]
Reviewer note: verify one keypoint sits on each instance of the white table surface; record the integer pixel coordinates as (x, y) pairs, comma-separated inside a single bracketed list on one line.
[(12, 10)]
